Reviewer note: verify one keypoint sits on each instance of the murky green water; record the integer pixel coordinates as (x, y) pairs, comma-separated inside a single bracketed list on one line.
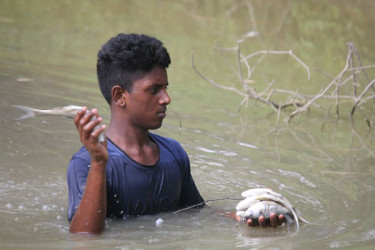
[(328, 174)]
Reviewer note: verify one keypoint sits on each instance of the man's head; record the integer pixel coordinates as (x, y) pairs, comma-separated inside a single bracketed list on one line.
[(127, 58)]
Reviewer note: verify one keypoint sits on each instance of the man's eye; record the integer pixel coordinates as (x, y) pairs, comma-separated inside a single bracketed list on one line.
[(155, 90)]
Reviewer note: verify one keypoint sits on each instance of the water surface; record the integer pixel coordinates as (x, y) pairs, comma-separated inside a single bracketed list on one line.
[(47, 59)]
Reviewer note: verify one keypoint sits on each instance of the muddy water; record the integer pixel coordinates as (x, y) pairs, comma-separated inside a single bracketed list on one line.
[(47, 59)]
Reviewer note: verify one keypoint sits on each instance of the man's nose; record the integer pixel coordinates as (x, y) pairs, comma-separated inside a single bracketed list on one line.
[(165, 99)]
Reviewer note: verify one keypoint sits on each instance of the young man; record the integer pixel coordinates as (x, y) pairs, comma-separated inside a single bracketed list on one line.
[(133, 172)]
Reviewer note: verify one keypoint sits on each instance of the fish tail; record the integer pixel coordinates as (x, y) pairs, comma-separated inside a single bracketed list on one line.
[(29, 112), (300, 218)]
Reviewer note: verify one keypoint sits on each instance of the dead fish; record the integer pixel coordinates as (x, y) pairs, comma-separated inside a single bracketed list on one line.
[(264, 202), (249, 197), (263, 208), (67, 111)]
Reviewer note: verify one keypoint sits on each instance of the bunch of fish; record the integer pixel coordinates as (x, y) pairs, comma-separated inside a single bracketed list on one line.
[(264, 202), (66, 111)]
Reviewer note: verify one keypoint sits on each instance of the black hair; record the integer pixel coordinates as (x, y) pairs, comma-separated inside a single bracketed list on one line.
[(127, 58)]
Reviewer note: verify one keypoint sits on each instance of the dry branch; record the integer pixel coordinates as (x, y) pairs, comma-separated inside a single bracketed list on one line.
[(301, 102), (280, 52)]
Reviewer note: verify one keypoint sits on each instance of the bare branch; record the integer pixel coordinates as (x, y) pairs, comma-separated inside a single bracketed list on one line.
[(280, 52), (212, 82), (279, 98), (322, 93), (359, 100)]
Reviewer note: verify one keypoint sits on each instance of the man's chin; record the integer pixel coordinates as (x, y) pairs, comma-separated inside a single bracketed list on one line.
[(156, 127)]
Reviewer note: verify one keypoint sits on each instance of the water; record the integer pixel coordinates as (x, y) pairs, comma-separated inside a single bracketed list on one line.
[(328, 174)]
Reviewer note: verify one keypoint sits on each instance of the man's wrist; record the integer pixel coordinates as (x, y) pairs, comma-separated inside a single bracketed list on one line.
[(99, 162)]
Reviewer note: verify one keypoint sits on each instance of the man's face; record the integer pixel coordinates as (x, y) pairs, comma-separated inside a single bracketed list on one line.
[(147, 101)]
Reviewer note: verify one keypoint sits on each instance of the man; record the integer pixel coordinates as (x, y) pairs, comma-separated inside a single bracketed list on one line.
[(133, 172)]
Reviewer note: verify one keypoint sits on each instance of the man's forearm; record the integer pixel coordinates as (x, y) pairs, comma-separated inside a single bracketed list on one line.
[(91, 212)]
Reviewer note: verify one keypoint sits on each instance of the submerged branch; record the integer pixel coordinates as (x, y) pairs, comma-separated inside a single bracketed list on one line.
[(290, 98)]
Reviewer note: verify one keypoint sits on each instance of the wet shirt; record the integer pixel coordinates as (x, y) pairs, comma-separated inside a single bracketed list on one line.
[(135, 189)]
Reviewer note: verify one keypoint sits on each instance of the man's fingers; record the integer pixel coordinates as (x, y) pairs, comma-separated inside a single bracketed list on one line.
[(79, 115), (87, 116), (91, 129), (262, 221), (97, 131), (87, 123), (251, 223), (280, 219), (273, 220)]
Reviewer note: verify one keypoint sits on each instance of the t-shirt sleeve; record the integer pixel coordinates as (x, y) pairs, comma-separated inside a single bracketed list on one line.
[(76, 177), (189, 192)]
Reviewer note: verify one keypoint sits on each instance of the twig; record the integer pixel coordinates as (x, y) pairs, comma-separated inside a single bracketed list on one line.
[(312, 100), (257, 63), (278, 118), (363, 68), (251, 15), (204, 202), (214, 83), (350, 44), (348, 59), (250, 92), (280, 52), (301, 102), (221, 50), (359, 100)]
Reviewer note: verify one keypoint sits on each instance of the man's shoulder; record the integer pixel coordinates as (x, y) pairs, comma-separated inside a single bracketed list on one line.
[(166, 141), (171, 149), (80, 159)]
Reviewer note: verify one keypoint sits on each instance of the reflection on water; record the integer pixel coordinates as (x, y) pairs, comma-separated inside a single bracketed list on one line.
[(48, 52)]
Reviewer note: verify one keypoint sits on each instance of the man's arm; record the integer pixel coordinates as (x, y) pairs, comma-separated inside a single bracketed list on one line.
[(91, 212)]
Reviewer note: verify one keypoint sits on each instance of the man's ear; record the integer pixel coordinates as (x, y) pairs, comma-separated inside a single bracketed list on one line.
[(118, 95)]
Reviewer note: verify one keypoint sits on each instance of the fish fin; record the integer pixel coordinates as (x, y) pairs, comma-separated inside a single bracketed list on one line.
[(289, 220), (29, 112)]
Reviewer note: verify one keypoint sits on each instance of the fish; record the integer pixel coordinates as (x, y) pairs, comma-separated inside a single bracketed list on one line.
[(249, 197), (263, 202), (257, 191), (66, 111), (264, 208)]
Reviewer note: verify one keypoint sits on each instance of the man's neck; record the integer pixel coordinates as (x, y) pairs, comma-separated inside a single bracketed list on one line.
[(135, 142)]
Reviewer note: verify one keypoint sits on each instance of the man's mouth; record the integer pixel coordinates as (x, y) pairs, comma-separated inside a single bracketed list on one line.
[(162, 113)]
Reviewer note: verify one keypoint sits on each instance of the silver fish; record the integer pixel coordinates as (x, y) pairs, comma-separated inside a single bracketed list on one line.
[(265, 208), (258, 191), (249, 197), (67, 111), (262, 201)]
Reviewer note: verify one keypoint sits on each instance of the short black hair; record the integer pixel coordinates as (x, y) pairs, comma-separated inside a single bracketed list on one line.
[(127, 58)]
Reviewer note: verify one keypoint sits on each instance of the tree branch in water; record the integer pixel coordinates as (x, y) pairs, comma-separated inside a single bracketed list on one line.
[(300, 102)]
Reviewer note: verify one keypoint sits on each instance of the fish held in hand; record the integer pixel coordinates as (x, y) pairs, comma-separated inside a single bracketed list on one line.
[(264, 202), (250, 194), (66, 111)]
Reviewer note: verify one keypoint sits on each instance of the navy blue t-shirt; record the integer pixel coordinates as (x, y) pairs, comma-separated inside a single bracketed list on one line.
[(135, 189)]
